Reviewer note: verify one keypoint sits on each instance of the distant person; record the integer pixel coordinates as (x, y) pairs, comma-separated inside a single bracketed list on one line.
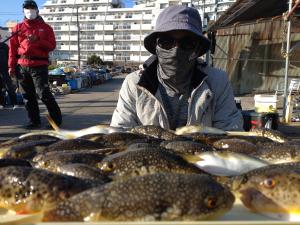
[(6, 82), (175, 88), (30, 49)]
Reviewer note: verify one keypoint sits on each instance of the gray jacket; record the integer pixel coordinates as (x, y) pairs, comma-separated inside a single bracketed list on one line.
[(211, 102)]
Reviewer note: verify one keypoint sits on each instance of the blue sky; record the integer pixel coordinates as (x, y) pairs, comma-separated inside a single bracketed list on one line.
[(12, 9)]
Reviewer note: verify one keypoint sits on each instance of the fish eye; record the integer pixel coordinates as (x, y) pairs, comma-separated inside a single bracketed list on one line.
[(107, 166), (211, 202), (269, 183), (45, 163)]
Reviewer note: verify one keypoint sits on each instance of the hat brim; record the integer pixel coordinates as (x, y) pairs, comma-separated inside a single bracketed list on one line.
[(150, 41)]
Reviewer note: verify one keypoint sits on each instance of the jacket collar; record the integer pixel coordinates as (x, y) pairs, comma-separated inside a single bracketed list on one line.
[(149, 79), (31, 23)]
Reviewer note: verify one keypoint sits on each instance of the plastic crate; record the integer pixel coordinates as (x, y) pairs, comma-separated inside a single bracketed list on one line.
[(73, 84)]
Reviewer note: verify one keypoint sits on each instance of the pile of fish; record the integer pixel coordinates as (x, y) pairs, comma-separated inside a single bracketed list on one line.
[(148, 173)]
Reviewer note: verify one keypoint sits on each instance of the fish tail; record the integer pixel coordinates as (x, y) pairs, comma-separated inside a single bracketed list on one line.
[(52, 123)]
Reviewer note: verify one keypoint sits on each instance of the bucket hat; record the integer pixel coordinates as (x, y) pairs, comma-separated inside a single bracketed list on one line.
[(29, 3), (177, 17)]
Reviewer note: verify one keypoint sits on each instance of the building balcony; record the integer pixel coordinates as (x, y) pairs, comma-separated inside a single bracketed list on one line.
[(109, 27), (147, 17), (98, 27), (68, 38), (98, 47), (67, 28), (144, 27), (135, 38), (108, 37), (138, 58), (108, 48), (67, 48), (108, 58)]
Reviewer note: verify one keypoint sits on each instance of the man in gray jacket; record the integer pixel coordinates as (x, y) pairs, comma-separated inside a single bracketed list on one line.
[(175, 88)]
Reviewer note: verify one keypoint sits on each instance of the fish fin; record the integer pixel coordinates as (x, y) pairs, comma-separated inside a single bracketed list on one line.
[(52, 123), (191, 158), (22, 212)]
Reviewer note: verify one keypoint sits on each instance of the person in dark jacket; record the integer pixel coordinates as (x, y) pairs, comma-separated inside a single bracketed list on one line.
[(6, 82), (30, 49), (175, 88)]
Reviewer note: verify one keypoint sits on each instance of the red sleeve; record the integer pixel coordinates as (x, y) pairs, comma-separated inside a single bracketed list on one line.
[(13, 49), (49, 44)]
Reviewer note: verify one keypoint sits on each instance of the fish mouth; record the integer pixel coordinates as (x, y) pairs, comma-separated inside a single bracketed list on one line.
[(256, 201), (247, 195)]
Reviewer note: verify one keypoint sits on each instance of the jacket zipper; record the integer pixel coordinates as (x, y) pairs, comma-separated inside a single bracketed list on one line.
[(192, 96)]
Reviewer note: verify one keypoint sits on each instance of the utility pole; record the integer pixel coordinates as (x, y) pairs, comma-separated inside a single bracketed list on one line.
[(203, 12), (103, 31), (78, 36), (205, 23), (287, 62), (141, 24), (70, 22)]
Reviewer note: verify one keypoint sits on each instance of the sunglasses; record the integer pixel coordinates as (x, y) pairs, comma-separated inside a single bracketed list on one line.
[(186, 43)]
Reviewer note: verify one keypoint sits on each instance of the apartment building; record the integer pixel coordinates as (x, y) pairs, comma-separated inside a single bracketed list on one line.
[(108, 29)]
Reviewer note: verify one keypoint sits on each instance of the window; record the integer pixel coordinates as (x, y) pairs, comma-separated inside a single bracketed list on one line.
[(84, 8), (90, 27), (122, 47), (90, 47), (56, 28), (63, 1), (94, 8), (86, 0), (118, 16), (128, 15), (61, 9), (124, 26), (122, 57), (172, 3), (164, 5), (59, 18), (87, 37), (54, 1), (50, 18), (52, 10)]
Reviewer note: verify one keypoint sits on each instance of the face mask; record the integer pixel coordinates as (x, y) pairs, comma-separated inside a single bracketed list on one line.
[(30, 14), (175, 67)]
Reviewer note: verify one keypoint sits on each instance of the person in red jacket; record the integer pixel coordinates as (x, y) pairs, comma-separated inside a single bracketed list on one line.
[(29, 49)]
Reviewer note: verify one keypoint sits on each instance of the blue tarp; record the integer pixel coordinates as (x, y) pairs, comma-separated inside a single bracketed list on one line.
[(56, 72)]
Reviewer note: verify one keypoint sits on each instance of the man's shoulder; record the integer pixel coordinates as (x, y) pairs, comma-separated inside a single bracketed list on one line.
[(216, 78), (18, 25), (214, 73), (133, 78)]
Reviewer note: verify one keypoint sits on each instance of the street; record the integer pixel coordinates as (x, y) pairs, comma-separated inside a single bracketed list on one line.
[(92, 106), (82, 109)]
